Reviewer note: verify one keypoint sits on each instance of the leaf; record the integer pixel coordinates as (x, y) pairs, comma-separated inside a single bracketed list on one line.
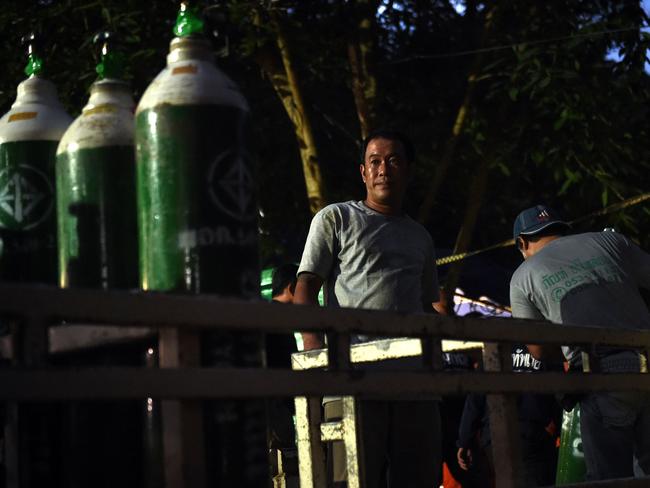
[(565, 186), (513, 92), (604, 197)]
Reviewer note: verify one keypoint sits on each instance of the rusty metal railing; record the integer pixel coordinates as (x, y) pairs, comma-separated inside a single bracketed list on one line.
[(181, 383)]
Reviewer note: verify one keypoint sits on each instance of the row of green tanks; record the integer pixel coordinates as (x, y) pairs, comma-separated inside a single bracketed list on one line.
[(189, 198), (162, 200)]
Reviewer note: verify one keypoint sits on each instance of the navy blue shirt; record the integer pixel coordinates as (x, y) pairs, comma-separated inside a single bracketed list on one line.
[(536, 411)]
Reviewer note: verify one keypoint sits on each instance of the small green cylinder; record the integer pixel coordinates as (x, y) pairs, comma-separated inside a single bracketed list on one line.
[(571, 458)]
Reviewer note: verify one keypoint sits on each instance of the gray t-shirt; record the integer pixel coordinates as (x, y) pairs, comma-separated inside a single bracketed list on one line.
[(584, 279), (371, 260)]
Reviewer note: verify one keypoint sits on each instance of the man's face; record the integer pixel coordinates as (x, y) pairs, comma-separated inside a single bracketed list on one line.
[(385, 171)]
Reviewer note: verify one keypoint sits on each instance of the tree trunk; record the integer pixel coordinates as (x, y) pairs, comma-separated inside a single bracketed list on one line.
[(459, 124), (475, 199), (360, 48), (285, 82)]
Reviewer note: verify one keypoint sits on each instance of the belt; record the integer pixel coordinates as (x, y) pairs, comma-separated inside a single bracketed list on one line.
[(626, 361)]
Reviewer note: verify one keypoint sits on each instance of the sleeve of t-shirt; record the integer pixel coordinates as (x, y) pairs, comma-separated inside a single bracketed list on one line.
[(522, 306), (470, 422), (320, 247)]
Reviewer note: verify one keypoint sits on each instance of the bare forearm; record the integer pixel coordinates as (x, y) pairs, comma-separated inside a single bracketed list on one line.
[(307, 288), (311, 340), (550, 354)]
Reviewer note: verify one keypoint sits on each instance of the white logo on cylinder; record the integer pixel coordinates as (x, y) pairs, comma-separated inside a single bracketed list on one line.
[(231, 186), (25, 197)]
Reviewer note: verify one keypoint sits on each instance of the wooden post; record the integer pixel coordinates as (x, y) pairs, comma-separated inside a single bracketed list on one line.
[(182, 421), (338, 351), (504, 422), (310, 449), (30, 348), (432, 353), (352, 425)]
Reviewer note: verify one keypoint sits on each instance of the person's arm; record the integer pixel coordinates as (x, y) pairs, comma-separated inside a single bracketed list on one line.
[(306, 293), (430, 289), (316, 265), (524, 308), (470, 423), (442, 306)]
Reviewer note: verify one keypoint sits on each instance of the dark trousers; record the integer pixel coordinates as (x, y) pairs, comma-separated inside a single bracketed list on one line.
[(401, 444), (615, 428), (539, 459)]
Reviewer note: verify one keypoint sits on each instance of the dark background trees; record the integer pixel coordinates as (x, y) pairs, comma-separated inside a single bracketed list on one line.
[(509, 103)]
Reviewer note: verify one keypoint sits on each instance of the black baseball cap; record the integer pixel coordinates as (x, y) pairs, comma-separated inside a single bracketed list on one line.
[(535, 219)]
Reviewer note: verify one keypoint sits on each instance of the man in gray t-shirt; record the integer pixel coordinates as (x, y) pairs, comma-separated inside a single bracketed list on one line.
[(369, 254), (589, 279), (371, 260)]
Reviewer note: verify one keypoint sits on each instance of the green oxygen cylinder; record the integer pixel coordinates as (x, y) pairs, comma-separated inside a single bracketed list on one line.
[(197, 212), (95, 178), (197, 224), (29, 135), (571, 458)]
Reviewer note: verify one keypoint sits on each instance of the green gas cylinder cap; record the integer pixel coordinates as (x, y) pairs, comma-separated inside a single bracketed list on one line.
[(34, 61), (188, 21), (111, 61)]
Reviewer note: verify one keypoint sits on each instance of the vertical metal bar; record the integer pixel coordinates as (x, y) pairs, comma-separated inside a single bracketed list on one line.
[(30, 341), (152, 432), (353, 443), (12, 443), (586, 363), (338, 351), (29, 348), (311, 457), (278, 476), (504, 427), (182, 421), (432, 353)]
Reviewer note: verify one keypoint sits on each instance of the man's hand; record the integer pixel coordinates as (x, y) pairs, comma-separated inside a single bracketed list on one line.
[(442, 306), (307, 288), (464, 456), (551, 355)]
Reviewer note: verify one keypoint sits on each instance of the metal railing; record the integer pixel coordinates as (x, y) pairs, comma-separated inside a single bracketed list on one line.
[(180, 382)]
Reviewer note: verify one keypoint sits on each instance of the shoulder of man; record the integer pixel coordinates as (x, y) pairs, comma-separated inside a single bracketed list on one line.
[(520, 273), (613, 243), (332, 213), (336, 207)]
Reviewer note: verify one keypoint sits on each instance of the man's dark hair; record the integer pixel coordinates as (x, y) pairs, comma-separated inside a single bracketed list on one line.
[(391, 135), (282, 276), (558, 229)]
